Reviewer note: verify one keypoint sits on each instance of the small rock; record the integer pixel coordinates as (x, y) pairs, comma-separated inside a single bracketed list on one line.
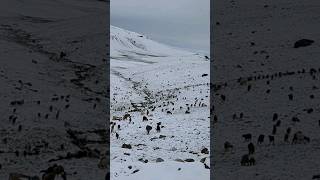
[(159, 160), (179, 160), (303, 43), (189, 160)]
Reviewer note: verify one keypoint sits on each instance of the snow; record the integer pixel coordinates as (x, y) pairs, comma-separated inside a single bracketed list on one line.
[(150, 74), (165, 170)]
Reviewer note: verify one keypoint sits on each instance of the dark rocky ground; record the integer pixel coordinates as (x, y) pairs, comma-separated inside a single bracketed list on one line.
[(53, 79), (261, 68)]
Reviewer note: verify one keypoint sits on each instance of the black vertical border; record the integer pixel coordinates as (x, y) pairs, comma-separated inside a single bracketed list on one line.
[(107, 70), (211, 85)]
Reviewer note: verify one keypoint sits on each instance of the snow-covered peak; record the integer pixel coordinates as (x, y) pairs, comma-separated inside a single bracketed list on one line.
[(124, 43)]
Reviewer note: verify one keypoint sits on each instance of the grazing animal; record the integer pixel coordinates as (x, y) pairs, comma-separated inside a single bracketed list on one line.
[(274, 130), (271, 139), (275, 116), (241, 115), (260, 139), (103, 163), (144, 118), (245, 160), (298, 137), (234, 116), (294, 139), (148, 128), (223, 97), (117, 135), (158, 127), (295, 119), (227, 146), (306, 139), (247, 137), (249, 87), (62, 54), (169, 112), (288, 130), (215, 118), (309, 110), (251, 148), (286, 137), (127, 115), (290, 97), (252, 161), (54, 171)]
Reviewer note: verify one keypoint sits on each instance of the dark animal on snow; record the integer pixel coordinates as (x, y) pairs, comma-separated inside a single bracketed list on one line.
[(234, 116), (251, 148), (223, 97), (288, 130), (295, 119), (241, 115), (144, 118), (260, 139), (275, 116), (247, 137), (158, 127), (286, 137), (148, 128), (126, 116), (245, 160), (274, 130), (252, 161), (227, 146), (278, 123), (298, 137), (271, 139)]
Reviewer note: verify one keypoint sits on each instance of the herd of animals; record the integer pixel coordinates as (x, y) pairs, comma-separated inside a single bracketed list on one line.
[(287, 137), (59, 104), (147, 114), (167, 107)]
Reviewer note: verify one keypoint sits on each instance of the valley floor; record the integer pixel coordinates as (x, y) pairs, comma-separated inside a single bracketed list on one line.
[(161, 89)]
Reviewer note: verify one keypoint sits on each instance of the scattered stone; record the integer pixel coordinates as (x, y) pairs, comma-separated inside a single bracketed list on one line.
[(303, 43), (159, 160)]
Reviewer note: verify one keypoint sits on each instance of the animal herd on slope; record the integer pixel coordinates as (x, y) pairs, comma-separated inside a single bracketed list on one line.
[(287, 137)]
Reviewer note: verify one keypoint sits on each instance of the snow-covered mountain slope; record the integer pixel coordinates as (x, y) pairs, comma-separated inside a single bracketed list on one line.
[(124, 43), (167, 86)]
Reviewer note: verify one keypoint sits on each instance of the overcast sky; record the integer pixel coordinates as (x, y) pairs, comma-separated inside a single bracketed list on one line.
[(181, 23)]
